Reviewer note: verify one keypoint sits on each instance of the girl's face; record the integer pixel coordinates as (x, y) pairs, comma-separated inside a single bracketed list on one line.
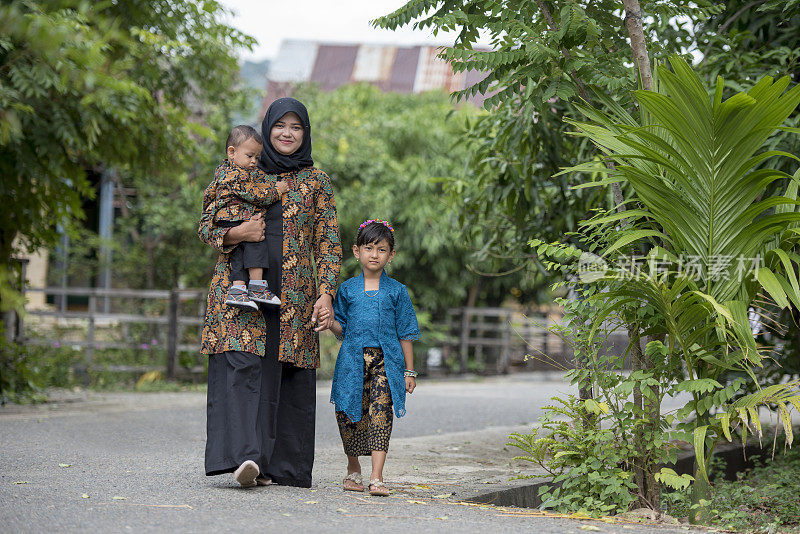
[(373, 256), (287, 134)]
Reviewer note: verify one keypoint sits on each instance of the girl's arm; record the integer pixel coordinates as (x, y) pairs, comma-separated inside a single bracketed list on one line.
[(336, 328), (408, 354), (407, 332), (340, 306)]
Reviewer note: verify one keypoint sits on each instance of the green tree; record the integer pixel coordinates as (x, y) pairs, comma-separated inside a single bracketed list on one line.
[(86, 87), (388, 155), (544, 56), (702, 214)]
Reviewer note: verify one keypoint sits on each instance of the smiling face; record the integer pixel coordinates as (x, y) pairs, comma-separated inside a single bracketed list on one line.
[(286, 135), (373, 256), (246, 154)]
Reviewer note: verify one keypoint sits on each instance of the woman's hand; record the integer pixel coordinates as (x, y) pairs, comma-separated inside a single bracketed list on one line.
[(282, 186), (251, 230), (411, 383), (323, 313)]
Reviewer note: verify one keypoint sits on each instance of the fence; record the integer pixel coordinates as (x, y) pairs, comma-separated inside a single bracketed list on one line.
[(499, 340), (167, 311), (487, 340)]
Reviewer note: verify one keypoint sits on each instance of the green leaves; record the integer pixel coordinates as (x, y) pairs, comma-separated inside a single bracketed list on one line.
[(673, 480), (87, 87)]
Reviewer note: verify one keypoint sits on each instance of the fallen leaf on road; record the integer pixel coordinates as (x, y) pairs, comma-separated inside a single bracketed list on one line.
[(84, 496), (341, 510), (288, 515), (18, 482), (312, 491), (64, 465), (312, 502), (417, 502), (421, 486), (590, 527), (118, 498), (442, 496), (443, 518)]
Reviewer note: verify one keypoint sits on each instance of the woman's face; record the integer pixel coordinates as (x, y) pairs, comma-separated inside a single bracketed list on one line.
[(287, 134)]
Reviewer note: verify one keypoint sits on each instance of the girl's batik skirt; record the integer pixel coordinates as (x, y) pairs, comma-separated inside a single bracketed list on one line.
[(373, 431)]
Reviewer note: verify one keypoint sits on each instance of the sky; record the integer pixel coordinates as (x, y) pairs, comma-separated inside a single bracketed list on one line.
[(346, 21)]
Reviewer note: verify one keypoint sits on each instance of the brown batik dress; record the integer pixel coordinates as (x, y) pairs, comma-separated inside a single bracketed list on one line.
[(373, 431)]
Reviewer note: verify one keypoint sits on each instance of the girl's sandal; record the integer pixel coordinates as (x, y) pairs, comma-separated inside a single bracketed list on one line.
[(355, 482), (378, 488)]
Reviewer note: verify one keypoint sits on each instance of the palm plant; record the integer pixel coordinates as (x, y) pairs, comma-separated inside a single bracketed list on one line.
[(695, 164)]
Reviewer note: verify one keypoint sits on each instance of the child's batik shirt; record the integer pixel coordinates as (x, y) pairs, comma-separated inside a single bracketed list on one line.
[(240, 193), (386, 318)]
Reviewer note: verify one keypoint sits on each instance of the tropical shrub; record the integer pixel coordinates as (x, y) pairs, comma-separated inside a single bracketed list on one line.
[(685, 260)]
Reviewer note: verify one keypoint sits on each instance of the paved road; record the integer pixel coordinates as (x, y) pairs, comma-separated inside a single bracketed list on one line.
[(135, 465)]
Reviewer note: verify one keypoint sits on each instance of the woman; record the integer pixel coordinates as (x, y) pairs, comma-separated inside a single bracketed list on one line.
[(262, 366)]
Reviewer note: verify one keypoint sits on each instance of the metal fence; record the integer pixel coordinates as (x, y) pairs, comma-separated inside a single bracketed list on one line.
[(105, 307)]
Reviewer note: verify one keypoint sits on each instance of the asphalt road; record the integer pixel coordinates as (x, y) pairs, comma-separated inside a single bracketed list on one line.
[(134, 463)]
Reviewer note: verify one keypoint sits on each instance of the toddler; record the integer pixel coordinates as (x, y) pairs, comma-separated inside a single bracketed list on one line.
[(241, 190)]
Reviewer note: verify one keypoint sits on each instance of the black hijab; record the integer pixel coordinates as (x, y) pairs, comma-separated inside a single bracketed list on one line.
[(272, 161)]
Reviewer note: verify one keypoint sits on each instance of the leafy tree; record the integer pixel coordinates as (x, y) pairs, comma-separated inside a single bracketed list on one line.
[(544, 56), (694, 161), (388, 155), (546, 52), (85, 87)]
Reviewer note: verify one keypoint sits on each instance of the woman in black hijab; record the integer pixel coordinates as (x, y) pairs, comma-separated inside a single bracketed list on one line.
[(262, 396)]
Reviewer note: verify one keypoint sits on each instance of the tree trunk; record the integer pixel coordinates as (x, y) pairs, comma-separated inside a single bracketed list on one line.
[(639, 470), (645, 473), (150, 271), (633, 23), (7, 310)]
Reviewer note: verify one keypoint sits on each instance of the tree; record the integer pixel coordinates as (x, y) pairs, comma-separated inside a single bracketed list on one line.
[(87, 87), (544, 56), (567, 51), (388, 156)]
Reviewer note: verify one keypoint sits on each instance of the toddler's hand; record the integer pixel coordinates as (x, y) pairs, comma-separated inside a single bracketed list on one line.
[(411, 383), (282, 187)]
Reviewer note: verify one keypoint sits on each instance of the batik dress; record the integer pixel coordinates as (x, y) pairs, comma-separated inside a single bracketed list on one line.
[(368, 380)]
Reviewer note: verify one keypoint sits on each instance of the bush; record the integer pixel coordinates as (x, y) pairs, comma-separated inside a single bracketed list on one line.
[(25, 370), (761, 499)]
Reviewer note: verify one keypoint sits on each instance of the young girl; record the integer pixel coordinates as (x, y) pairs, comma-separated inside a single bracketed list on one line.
[(376, 322)]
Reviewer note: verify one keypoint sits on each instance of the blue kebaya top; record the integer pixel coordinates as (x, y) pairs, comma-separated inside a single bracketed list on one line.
[(368, 318)]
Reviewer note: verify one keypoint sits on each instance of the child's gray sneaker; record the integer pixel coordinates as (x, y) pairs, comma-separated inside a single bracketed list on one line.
[(258, 291), (238, 297)]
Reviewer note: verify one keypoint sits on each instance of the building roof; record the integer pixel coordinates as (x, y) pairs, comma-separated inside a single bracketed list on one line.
[(404, 69)]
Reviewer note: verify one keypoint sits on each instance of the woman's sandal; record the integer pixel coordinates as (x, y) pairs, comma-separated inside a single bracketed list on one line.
[(378, 488), (356, 482)]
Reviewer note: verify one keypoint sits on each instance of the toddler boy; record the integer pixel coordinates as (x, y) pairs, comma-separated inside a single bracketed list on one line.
[(241, 190)]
